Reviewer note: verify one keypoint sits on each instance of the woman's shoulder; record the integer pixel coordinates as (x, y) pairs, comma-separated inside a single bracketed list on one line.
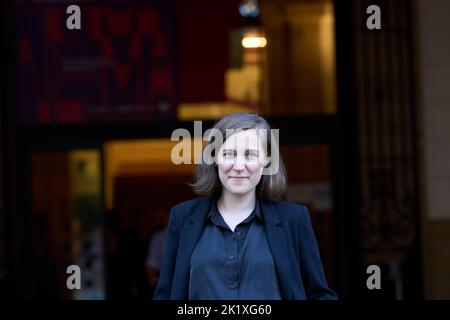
[(182, 209), (290, 210), (191, 202)]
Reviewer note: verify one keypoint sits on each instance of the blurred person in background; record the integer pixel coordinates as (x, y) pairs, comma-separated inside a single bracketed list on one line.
[(155, 253)]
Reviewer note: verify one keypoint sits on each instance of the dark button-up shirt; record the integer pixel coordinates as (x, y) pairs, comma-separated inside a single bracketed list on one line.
[(227, 265)]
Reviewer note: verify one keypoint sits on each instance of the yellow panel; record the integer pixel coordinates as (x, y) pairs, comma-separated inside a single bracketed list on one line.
[(141, 157), (209, 111)]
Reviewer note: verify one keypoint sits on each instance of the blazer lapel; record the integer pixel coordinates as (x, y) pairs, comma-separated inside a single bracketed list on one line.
[(190, 234), (278, 244)]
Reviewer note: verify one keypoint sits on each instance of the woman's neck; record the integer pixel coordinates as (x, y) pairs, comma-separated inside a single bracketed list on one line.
[(238, 204)]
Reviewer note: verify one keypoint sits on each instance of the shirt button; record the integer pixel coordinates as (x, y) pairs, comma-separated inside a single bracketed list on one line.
[(238, 233), (231, 257)]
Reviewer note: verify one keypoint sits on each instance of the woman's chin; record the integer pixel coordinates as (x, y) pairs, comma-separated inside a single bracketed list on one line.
[(238, 191)]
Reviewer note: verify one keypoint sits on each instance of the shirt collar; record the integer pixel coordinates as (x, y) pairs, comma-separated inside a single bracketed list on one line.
[(256, 211)]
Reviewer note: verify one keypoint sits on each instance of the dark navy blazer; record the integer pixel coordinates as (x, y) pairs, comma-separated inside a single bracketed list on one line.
[(289, 234)]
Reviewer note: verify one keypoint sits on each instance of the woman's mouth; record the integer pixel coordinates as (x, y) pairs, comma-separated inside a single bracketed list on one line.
[(238, 178)]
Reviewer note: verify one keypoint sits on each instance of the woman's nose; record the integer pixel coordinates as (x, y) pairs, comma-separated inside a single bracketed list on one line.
[(238, 164)]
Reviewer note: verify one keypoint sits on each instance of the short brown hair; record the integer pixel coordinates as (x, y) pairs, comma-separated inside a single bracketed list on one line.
[(206, 178)]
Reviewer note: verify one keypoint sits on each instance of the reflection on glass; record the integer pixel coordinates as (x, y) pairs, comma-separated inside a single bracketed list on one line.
[(309, 184), (67, 225)]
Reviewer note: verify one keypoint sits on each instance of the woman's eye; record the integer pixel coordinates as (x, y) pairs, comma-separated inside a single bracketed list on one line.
[(228, 154), (252, 155)]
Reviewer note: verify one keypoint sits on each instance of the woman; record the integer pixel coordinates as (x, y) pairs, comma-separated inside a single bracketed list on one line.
[(239, 241)]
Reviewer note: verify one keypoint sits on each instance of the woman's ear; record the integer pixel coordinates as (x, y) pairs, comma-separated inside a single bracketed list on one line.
[(266, 162)]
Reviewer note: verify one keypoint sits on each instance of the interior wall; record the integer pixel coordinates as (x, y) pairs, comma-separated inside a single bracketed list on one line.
[(434, 69), (300, 69)]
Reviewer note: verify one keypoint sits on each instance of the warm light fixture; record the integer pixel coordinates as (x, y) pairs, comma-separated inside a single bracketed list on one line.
[(252, 41)]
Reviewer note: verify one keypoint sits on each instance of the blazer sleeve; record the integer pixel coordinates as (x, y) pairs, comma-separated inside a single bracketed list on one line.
[(164, 287), (311, 268)]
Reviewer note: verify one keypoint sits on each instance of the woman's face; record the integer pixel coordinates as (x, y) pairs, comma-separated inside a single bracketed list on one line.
[(241, 161)]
